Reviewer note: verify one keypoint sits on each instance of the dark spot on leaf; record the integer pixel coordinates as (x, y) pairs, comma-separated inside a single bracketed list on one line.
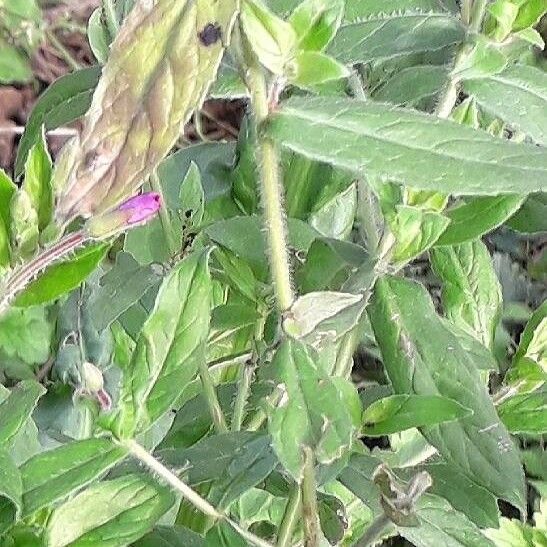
[(211, 34), (188, 213)]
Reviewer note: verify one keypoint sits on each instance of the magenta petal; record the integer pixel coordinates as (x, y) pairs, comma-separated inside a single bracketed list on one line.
[(141, 207)]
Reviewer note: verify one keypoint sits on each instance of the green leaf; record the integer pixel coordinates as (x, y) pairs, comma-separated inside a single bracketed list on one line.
[(170, 536), (63, 277), (10, 491), (471, 292), (24, 225), (513, 533), (311, 411), (484, 59), (335, 218), (7, 189), (479, 505), (174, 334), (312, 68), (316, 22), (99, 36), (17, 408), (121, 287), (53, 475), (423, 356), (518, 96), (67, 99), (525, 413), (111, 514), (272, 40), (440, 524), (384, 36), (37, 182), (415, 230), (25, 334), (399, 412), (532, 216), (14, 66), (192, 197), (233, 462), (407, 147), (478, 216), (223, 535)]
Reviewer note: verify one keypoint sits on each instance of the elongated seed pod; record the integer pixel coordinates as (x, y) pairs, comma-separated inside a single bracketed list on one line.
[(161, 65)]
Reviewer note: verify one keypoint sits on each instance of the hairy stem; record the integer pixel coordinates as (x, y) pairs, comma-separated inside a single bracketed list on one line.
[(166, 224), (271, 190), (210, 393), (290, 518), (310, 514), (478, 12), (466, 11), (243, 391), (22, 276), (141, 454)]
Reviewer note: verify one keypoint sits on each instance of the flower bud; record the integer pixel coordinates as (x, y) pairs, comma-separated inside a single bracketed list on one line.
[(93, 386), (133, 212)]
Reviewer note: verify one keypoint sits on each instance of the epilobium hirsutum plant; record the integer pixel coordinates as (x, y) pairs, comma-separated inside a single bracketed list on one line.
[(321, 334)]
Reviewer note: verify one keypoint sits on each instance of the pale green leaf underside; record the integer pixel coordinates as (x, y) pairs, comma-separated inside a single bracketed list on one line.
[(408, 147)]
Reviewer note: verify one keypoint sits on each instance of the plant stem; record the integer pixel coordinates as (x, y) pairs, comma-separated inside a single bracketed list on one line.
[(243, 390), (374, 531), (478, 12), (62, 50), (309, 500), (24, 275), (271, 190), (209, 391), (466, 11), (166, 224), (138, 452), (290, 518)]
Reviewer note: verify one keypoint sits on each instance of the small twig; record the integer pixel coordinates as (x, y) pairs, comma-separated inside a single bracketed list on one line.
[(374, 531), (45, 369), (62, 51), (210, 394), (290, 518), (223, 125)]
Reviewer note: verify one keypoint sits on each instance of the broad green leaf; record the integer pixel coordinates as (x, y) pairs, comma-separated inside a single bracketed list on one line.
[(415, 230), (440, 524), (407, 147), (484, 60), (356, 9), (37, 182), (233, 462), (25, 334), (17, 408), (123, 285), (63, 277), (513, 533), (518, 96), (169, 347), (14, 65), (393, 34), (160, 67), (479, 505), (416, 86), (525, 413), (532, 216), (170, 536), (111, 513), (53, 475), (311, 411), (312, 68), (272, 40), (259, 506), (335, 218), (478, 216), (99, 36), (399, 412), (10, 491), (471, 292), (329, 263), (62, 102), (316, 22), (223, 535), (192, 198), (244, 237), (423, 356)]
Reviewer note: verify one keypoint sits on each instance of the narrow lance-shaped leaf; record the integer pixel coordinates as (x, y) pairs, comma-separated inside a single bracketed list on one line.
[(159, 70), (407, 147), (111, 513), (423, 356), (54, 474), (169, 347), (471, 292)]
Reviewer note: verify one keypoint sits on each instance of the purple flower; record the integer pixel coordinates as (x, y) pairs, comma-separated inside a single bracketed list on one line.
[(142, 207), (134, 211)]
